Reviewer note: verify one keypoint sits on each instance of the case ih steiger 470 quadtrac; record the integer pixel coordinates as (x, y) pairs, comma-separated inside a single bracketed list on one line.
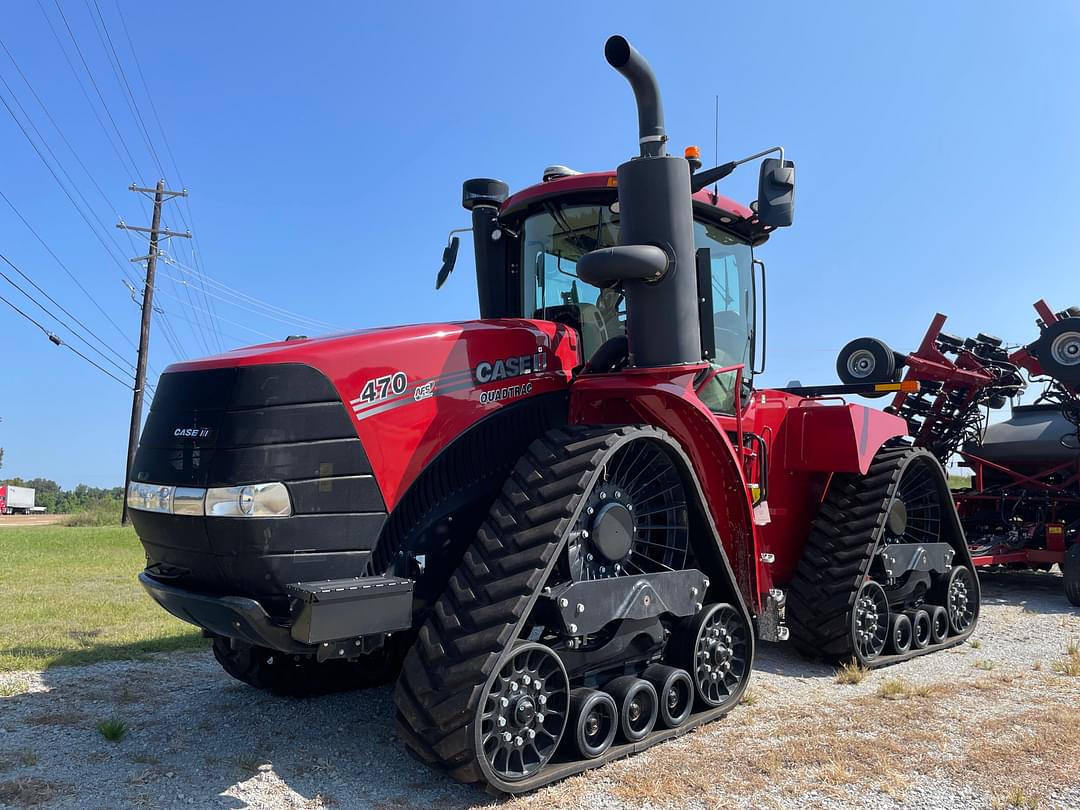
[(559, 527), (1022, 509)]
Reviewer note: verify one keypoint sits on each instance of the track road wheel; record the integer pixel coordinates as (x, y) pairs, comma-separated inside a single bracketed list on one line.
[(899, 633), (870, 621), (1071, 569), (715, 648), (637, 702), (920, 628), (675, 691), (595, 721), (939, 623)]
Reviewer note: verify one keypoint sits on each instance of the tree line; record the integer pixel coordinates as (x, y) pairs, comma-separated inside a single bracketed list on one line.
[(61, 501)]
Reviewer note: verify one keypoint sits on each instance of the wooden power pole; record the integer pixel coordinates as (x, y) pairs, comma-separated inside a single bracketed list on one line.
[(156, 231)]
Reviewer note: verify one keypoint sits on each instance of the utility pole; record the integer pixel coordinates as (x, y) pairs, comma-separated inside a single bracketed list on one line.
[(155, 230)]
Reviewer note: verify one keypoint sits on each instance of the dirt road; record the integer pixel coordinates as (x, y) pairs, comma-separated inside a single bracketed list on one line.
[(22, 521)]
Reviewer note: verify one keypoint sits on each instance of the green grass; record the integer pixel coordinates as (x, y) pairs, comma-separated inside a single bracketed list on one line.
[(69, 596), (959, 482), (112, 729)]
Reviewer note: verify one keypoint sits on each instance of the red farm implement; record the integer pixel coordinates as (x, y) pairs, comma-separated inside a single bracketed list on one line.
[(1022, 508)]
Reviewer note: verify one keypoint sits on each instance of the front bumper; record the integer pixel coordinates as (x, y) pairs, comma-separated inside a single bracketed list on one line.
[(321, 612), (230, 616)]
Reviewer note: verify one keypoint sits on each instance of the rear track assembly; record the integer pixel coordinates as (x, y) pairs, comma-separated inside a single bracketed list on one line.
[(842, 606)]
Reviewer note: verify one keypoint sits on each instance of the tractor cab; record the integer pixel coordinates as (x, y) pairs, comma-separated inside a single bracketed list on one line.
[(528, 246)]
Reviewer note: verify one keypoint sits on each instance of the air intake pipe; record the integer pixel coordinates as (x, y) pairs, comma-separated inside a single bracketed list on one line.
[(662, 320)]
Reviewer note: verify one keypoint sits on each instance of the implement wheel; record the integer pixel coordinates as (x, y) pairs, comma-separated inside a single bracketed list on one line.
[(1071, 569), (866, 360)]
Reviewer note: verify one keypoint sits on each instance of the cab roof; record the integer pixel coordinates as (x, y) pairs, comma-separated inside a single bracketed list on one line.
[(725, 211)]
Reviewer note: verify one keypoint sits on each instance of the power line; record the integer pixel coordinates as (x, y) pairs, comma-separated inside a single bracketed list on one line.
[(296, 318), (82, 87), (97, 89), (64, 267), (56, 340), (219, 317), (56, 126), (63, 309), (63, 188), (118, 71), (186, 203)]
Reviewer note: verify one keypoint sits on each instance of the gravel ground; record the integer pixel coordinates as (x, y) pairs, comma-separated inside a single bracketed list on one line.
[(991, 724)]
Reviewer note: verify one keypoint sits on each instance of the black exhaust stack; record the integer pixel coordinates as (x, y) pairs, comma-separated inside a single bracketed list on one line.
[(655, 210)]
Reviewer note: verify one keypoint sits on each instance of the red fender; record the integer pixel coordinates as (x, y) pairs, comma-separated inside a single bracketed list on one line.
[(665, 398)]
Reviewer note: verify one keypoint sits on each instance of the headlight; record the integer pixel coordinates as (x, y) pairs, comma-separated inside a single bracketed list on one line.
[(150, 497), (253, 500)]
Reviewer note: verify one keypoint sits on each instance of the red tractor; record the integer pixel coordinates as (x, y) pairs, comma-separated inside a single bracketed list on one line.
[(560, 527), (1022, 509)]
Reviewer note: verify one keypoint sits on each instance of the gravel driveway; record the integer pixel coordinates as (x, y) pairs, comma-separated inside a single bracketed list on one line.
[(995, 723)]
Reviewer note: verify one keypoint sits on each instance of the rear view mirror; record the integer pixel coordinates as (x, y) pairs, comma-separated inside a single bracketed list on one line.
[(776, 193), (449, 259)]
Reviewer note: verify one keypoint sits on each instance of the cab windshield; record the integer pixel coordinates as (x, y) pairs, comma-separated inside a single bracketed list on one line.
[(555, 238)]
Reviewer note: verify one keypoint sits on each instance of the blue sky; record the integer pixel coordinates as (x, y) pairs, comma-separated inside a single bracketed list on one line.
[(324, 145)]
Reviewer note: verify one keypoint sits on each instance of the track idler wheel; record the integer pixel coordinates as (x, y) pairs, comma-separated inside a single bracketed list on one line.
[(675, 691), (958, 594), (595, 719), (637, 702), (939, 623), (920, 628), (900, 634), (525, 711), (870, 620), (717, 651)]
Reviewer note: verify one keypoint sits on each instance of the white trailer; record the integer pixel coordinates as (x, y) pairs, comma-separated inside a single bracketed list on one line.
[(17, 500)]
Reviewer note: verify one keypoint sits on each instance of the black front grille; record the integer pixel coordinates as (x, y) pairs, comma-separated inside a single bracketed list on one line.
[(253, 424)]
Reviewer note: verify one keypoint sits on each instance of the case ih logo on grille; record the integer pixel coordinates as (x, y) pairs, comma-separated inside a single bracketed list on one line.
[(510, 367), (192, 433)]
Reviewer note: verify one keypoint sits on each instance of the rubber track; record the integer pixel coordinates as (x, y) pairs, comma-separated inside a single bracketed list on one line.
[(837, 556), (490, 595)]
